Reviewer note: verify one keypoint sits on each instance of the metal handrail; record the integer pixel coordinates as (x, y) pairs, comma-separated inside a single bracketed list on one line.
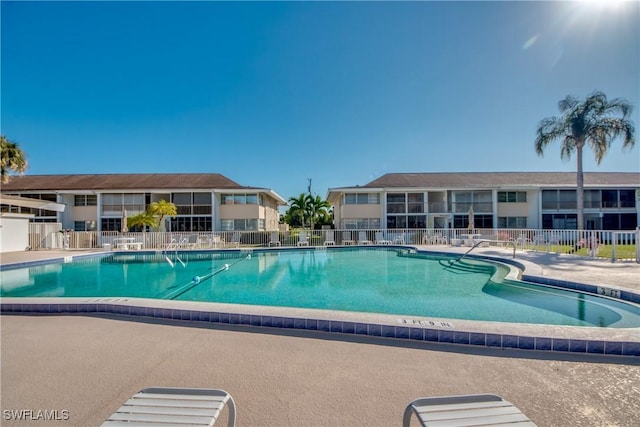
[(478, 244)]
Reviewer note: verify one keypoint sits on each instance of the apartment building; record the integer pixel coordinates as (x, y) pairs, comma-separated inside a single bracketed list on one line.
[(204, 201), (534, 200)]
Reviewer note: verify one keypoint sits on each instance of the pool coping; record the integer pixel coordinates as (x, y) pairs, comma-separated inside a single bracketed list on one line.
[(546, 338)]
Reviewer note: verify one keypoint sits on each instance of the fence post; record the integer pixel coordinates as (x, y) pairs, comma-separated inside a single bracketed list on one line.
[(614, 241), (637, 242)]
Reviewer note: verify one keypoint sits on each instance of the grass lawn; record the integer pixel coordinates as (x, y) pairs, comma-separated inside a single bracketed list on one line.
[(604, 251)]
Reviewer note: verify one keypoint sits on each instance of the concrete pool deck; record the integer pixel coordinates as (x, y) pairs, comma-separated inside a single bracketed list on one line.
[(89, 364)]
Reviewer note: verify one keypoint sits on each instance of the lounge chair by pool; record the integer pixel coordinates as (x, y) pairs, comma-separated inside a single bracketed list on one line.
[(158, 406), (329, 240), (275, 239), (465, 410), (380, 240), (363, 239), (302, 240), (347, 239)]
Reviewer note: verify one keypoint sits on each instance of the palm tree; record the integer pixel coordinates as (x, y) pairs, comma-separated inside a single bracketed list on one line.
[(594, 122), (12, 159), (299, 208), (143, 220), (160, 209), (317, 209)]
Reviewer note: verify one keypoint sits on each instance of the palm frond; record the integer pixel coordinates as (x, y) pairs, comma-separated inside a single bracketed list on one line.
[(568, 103), (568, 147), (549, 129)]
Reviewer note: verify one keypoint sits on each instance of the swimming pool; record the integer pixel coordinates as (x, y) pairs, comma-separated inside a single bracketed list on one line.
[(374, 280)]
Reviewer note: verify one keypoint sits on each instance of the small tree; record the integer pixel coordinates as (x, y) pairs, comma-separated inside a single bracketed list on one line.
[(299, 209), (143, 220), (317, 209)]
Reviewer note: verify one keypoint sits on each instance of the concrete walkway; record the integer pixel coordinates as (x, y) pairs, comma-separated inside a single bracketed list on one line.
[(89, 365)]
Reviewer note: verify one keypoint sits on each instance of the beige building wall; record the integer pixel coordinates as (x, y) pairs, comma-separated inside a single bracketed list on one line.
[(361, 211), (513, 209), (269, 212), (239, 211), (343, 212), (85, 213)]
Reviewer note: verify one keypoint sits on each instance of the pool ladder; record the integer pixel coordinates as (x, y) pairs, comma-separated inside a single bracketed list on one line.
[(478, 244), (177, 257)]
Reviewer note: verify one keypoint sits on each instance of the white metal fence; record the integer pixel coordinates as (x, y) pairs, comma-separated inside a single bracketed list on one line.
[(614, 245)]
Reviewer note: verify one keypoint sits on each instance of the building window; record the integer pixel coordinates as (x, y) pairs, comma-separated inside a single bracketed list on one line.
[(567, 199), (84, 226), (618, 199), (479, 221), (512, 222), (362, 199), (113, 203), (396, 221), (481, 201), (415, 203), (44, 220), (85, 200), (408, 205), (623, 221), (187, 223), (241, 199), (242, 224), (416, 221), (592, 199), (627, 198), (512, 196), (559, 221), (361, 223), (559, 199), (111, 224), (396, 203)]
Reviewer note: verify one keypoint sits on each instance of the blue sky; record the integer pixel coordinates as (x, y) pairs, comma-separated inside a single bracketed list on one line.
[(273, 93)]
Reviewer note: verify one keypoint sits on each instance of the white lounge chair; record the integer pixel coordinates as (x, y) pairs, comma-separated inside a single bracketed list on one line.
[(275, 239), (399, 239), (217, 240), (302, 240), (347, 239), (465, 410), (380, 240), (329, 240), (168, 406), (235, 240), (363, 239)]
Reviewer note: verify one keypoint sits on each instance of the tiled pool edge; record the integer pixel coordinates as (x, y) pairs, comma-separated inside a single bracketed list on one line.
[(409, 333)]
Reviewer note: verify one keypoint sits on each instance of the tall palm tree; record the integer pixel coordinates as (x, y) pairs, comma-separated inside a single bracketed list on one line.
[(299, 208), (317, 209), (160, 209), (12, 159), (594, 122)]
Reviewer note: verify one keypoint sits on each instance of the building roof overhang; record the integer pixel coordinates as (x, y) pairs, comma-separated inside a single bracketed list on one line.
[(25, 202)]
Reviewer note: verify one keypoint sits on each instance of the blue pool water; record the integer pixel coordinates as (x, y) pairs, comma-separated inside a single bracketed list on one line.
[(378, 280)]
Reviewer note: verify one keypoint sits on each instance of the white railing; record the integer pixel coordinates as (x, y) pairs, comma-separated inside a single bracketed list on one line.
[(614, 245)]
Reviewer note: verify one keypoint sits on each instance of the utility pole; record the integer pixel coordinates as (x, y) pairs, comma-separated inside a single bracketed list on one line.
[(309, 187)]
